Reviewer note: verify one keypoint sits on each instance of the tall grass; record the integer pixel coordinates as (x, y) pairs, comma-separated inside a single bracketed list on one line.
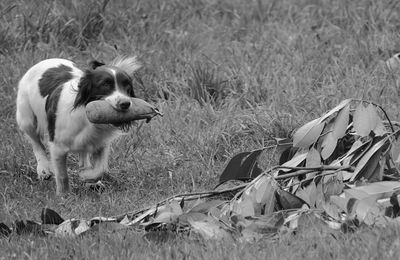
[(229, 75)]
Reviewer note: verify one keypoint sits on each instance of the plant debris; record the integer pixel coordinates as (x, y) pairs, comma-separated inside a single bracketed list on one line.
[(341, 169)]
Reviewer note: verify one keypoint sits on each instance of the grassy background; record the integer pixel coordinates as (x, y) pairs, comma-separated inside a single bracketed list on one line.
[(229, 75)]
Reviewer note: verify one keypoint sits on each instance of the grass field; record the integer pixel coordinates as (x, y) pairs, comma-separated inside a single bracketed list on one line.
[(229, 76)]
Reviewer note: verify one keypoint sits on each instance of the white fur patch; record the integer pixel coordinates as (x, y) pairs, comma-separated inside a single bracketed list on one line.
[(127, 64)]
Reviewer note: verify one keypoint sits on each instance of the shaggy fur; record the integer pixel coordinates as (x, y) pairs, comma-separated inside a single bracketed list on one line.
[(51, 101)]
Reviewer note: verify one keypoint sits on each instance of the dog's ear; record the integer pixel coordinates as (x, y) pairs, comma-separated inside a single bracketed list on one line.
[(95, 63), (84, 89)]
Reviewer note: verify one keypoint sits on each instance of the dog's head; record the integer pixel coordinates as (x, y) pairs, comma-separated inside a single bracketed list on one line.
[(112, 83)]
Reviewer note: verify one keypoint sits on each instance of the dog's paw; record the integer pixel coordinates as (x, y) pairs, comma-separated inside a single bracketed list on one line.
[(44, 172), (95, 186), (90, 175)]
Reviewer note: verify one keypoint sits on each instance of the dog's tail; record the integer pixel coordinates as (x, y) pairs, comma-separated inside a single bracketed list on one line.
[(129, 64)]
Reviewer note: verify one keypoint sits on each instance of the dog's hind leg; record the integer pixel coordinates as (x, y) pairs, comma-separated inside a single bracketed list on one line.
[(59, 159), (28, 124)]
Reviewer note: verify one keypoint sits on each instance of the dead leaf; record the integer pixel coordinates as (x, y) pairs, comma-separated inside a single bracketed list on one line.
[(72, 227), (49, 216), (5, 231), (242, 166)]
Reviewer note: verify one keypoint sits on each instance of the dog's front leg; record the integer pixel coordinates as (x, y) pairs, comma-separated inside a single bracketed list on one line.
[(100, 165), (59, 159), (84, 160)]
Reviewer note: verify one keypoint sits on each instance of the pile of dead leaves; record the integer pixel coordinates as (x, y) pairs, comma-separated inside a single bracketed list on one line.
[(340, 168)]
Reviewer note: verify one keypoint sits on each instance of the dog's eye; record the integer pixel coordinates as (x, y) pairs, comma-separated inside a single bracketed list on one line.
[(108, 82), (127, 83)]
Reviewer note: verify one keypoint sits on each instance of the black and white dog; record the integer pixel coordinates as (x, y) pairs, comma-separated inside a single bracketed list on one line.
[(51, 101)]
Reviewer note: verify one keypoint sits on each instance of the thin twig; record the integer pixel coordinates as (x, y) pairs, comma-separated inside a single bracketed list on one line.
[(186, 196), (309, 179), (322, 168)]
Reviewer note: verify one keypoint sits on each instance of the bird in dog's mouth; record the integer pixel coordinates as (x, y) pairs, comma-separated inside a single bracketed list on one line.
[(101, 112)]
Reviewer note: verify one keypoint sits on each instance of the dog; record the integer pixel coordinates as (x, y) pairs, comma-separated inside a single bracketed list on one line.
[(51, 101)]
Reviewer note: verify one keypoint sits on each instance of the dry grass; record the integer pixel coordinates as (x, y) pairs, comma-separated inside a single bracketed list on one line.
[(229, 76)]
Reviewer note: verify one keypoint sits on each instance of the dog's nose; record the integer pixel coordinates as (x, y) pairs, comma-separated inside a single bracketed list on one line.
[(124, 105)]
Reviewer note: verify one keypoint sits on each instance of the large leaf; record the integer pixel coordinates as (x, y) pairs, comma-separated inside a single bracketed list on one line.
[(365, 119), (308, 133), (242, 166), (378, 127), (341, 122)]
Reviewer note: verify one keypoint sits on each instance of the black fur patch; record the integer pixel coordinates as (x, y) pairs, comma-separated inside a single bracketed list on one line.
[(51, 111), (54, 77), (95, 63), (125, 83), (94, 85)]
